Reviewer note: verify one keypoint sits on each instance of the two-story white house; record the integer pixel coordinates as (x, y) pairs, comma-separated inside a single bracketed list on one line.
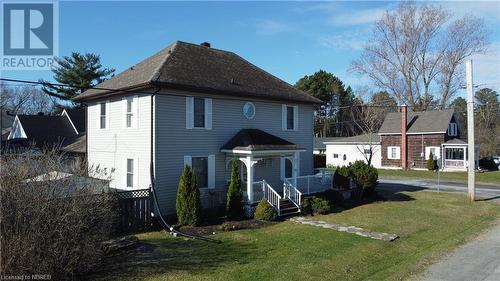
[(195, 105)]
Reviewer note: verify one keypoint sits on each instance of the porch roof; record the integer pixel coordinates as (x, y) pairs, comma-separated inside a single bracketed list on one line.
[(455, 142), (248, 141)]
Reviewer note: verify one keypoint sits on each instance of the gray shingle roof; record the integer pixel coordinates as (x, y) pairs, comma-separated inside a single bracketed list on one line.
[(319, 143), (365, 138), (456, 141), (255, 139), (46, 130), (192, 67), (418, 122)]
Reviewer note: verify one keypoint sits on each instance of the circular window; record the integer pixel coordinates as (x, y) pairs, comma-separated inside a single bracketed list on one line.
[(249, 110)]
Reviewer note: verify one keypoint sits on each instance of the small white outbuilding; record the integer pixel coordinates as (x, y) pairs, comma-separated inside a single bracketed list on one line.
[(342, 151)]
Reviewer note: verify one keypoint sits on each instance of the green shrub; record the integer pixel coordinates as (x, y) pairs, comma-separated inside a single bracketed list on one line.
[(365, 176), (188, 204), (306, 207), (341, 177), (265, 212), (228, 226), (320, 205), (333, 196), (431, 163), (234, 204)]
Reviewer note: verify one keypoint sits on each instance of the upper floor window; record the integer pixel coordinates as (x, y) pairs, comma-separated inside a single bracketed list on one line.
[(393, 152), (452, 129), (103, 108), (290, 118), (130, 112), (198, 113)]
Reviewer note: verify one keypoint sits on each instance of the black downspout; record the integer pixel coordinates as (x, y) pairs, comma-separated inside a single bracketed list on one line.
[(158, 213)]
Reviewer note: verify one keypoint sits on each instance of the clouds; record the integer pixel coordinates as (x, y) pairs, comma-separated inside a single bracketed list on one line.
[(357, 17), (344, 41), (271, 27)]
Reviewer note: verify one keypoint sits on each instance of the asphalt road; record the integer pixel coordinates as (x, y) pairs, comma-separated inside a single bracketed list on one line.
[(476, 260), (483, 191)]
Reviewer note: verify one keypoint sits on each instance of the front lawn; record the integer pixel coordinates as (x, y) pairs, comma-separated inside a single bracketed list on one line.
[(429, 224), (486, 177)]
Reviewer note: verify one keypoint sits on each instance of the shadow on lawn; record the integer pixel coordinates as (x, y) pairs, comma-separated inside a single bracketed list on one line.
[(385, 192), (160, 256)]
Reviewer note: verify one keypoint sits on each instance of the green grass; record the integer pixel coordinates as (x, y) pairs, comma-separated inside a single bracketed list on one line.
[(429, 224), (486, 177)]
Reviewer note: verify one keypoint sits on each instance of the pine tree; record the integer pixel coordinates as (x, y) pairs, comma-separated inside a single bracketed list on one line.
[(81, 71), (234, 204), (188, 204)]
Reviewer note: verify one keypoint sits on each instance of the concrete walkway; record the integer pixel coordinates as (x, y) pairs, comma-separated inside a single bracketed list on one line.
[(477, 260)]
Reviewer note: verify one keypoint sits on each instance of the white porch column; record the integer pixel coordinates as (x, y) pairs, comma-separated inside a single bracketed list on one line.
[(249, 165), (296, 166)]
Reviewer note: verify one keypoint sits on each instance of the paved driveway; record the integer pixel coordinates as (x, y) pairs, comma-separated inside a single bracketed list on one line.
[(477, 260)]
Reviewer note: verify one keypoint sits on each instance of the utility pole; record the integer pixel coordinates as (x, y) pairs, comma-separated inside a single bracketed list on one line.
[(470, 133)]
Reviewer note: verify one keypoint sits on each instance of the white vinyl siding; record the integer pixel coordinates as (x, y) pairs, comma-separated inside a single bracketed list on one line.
[(289, 117), (204, 168), (452, 129), (435, 151), (130, 112), (198, 113), (393, 152)]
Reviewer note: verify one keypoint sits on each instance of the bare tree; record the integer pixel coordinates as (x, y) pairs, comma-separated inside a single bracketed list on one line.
[(417, 50), (368, 121), (25, 99)]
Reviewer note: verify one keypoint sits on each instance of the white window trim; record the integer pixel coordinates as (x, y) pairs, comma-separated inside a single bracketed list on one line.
[(188, 161), (452, 129), (190, 114), (17, 127), (135, 112), (389, 152), (135, 178), (428, 150), (284, 116), (106, 122)]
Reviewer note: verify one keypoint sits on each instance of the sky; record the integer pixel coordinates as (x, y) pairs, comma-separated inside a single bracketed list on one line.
[(287, 39)]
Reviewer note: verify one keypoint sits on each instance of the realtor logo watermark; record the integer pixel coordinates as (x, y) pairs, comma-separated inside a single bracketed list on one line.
[(30, 32)]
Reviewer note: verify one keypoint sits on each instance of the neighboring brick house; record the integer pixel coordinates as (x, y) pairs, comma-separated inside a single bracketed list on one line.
[(424, 132)]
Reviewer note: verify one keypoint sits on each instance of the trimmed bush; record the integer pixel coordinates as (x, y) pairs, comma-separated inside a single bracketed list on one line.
[(234, 204), (228, 226), (431, 163), (320, 205), (341, 177), (188, 204), (333, 196), (265, 212), (306, 207), (365, 176)]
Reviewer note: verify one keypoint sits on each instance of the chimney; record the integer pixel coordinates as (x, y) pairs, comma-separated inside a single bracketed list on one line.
[(205, 44), (404, 156)]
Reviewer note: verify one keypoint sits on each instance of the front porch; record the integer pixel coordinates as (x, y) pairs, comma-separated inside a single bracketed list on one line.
[(454, 155), (281, 186)]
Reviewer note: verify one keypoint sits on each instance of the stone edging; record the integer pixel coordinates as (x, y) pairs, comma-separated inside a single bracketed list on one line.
[(345, 228)]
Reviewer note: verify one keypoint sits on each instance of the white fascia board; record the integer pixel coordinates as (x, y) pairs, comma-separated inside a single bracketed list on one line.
[(344, 143), (71, 122), (262, 152), (420, 133), (18, 123)]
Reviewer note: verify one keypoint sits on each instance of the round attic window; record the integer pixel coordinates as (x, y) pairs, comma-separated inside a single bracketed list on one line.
[(249, 110)]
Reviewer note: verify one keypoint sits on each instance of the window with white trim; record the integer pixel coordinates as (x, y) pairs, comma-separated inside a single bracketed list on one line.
[(452, 129), (367, 151), (335, 155), (130, 173), (434, 150), (204, 169), (393, 152), (198, 113), (289, 116), (103, 106), (130, 111)]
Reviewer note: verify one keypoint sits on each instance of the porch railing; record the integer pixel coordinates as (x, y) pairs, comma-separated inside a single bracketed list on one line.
[(454, 163), (257, 191), (292, 193), (312, 183), (271, 196)]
